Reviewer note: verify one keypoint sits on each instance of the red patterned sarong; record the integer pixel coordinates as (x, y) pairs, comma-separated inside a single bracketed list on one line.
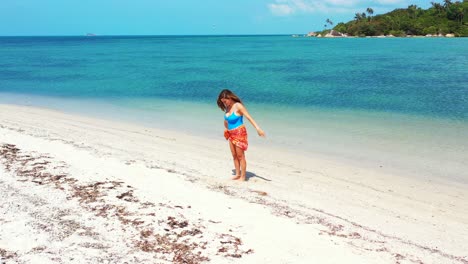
[(238, 137)]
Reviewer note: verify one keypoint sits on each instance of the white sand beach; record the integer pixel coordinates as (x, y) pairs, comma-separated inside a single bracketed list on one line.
[(77, 189)]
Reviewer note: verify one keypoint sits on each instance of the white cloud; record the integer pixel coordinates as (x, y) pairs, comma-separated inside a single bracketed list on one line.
[(389, 2), (304, 6), (281, 9), (342, 2), (289, 7)]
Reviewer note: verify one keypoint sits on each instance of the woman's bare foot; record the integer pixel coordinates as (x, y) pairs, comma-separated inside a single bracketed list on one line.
[(241, 178), (236, 177)]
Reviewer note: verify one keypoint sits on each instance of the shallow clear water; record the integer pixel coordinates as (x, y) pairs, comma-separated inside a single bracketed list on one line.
[(390, 101)]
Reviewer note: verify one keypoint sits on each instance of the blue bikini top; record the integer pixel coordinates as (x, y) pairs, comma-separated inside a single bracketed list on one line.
[(234, 120)]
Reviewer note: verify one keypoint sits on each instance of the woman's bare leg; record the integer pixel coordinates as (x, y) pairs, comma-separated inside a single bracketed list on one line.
[(236, 161), (242, 162)]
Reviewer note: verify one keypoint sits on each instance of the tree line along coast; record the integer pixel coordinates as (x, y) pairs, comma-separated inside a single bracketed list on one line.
[(446, 19)]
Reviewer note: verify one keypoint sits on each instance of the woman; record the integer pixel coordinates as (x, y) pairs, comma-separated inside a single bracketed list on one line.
[(235, 130)]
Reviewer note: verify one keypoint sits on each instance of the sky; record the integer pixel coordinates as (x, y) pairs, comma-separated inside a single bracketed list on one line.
[(181, 17)]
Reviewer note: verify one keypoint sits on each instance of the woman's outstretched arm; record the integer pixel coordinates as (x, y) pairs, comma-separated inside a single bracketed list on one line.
[(244, 111)]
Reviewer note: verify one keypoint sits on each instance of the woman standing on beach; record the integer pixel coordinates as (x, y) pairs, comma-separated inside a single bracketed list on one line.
[(235, 130)]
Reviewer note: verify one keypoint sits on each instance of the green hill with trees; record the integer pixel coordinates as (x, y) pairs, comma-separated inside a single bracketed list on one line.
[(441, 18)]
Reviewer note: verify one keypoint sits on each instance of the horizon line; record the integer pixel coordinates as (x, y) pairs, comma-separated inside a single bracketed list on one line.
[(156, 35)]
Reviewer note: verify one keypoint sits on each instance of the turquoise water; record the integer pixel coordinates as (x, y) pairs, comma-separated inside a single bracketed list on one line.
[(358, 98), (418, 76)]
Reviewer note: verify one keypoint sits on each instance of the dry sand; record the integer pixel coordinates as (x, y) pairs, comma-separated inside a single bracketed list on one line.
[(81, 190)]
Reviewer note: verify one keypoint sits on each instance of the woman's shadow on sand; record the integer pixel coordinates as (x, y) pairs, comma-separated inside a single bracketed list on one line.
[(249, 175)]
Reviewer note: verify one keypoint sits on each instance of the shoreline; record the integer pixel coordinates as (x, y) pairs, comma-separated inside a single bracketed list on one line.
[(409, 145), (317, 207)]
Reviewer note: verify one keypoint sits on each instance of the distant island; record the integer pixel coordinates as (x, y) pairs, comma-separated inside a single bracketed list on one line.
[(446, 19)]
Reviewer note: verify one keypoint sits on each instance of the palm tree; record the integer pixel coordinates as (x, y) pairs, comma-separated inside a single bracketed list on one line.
[(412, 10), (357, 16), (370, 11), (459, 14), (438, 7), (447, 4)]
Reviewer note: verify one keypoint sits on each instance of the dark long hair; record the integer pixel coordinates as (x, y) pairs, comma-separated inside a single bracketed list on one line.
[(227, 94)]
